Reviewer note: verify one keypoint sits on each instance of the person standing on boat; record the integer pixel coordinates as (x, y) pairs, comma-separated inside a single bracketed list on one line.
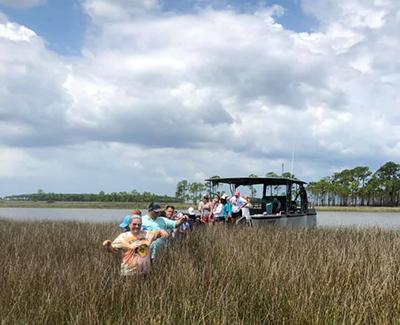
[(237, 203), (276, 206), (216, 211), (246, 212), (222, 210), (135, 246), (205, 209), (153, 221), (227, 208)]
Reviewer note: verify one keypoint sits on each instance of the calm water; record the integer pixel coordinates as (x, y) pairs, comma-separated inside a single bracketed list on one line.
[(91, 215), (329, 219)]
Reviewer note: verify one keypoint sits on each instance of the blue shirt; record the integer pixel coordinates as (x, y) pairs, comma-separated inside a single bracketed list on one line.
[(159, 223), (227, 210)]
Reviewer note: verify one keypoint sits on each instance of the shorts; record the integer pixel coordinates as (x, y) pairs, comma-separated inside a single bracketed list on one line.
[(219, 219), (236, 215)]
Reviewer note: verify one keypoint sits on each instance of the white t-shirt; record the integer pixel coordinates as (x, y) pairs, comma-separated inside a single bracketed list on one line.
[(246, 211), (237, 203), (218, 210)]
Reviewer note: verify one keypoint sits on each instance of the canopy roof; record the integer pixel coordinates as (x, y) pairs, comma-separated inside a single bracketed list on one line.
[(255, 180)]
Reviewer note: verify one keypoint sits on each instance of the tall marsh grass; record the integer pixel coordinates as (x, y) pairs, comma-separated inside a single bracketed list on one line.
[(57, 273)]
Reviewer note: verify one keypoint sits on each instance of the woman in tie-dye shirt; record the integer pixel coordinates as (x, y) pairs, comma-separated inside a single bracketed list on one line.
[(135, 247)]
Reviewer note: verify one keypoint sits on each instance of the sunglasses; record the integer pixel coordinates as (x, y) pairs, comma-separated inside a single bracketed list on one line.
[(136, 224)]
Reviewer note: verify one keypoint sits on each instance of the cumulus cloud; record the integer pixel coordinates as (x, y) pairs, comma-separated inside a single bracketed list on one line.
[(176, 68), (160, 96), (33, 101)]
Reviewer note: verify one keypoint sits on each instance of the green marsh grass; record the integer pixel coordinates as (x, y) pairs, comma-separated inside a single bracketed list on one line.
[(57, 273)]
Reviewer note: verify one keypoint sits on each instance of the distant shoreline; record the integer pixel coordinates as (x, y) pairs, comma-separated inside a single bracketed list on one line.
[(144, 205), (84, 205), (357, 209)]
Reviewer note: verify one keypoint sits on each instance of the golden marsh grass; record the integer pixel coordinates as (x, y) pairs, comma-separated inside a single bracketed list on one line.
[(57, 273)]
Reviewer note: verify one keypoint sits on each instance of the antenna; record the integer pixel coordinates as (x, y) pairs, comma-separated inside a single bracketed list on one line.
[(291, 165)]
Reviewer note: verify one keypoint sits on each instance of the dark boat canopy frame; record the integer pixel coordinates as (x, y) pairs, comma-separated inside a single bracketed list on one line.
[(237, 181), (288, 206)]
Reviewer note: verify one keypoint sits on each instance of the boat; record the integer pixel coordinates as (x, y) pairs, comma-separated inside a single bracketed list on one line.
[(276, 200)]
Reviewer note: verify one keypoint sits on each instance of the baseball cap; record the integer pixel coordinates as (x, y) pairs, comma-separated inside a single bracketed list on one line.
[(125, 222), (154, 207), (136, 211)]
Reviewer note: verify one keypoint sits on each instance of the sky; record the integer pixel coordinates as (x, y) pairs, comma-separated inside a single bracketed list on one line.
[(117, 95)]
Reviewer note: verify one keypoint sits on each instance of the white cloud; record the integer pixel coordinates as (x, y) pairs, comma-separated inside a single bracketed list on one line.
[(15, 32), (163, 97), (352, 14), (13, 162), (117, 10), (32, 101)]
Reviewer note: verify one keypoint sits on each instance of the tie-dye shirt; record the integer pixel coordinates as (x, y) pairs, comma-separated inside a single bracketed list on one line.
[(135, 251)]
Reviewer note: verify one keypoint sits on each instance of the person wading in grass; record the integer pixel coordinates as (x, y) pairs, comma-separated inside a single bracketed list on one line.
[(153, 221), (187, 225), (135, 247), (124, 225), (169, 212)]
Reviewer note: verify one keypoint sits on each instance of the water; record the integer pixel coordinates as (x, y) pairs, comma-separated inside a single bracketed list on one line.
[(324, 218), (89, 215), (388, 220)]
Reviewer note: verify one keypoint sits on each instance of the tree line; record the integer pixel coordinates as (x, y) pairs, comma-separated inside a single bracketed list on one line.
[(133, 196), (186, 191), (359, 186)]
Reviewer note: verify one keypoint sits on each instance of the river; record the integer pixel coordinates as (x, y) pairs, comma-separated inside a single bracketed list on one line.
[(324, 218)]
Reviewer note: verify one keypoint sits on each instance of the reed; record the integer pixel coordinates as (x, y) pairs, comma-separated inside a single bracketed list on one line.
[(57, 273)]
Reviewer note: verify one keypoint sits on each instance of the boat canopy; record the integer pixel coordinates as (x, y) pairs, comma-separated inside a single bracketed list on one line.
[(237, 181)]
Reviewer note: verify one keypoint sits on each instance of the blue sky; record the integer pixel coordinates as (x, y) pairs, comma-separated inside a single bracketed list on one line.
[(63, 24), (116, 95), (293, 19)]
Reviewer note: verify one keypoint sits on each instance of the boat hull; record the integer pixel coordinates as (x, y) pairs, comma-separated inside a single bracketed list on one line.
[(291, 221)]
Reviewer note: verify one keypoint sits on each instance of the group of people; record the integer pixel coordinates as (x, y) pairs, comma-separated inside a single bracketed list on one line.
[(222, 209), (141, 236)]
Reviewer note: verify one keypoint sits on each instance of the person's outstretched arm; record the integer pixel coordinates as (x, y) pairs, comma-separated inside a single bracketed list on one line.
[(107, 246)]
